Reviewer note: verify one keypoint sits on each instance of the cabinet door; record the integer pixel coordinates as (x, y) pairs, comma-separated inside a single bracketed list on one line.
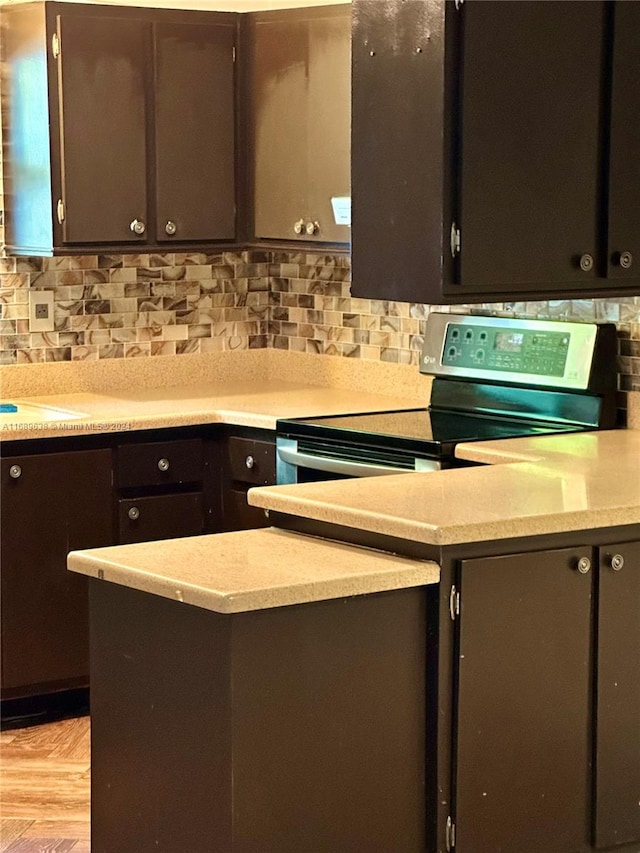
[(195, 140), (53, 504), (103, 113), (530, 124), (301, 122), (617, 760), (624, 173), (522, 752)]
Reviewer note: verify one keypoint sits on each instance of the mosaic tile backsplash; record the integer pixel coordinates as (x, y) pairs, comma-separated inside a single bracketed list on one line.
[(115, 306)]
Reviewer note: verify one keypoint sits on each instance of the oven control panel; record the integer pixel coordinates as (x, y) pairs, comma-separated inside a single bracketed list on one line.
[(517, 350), (540, 353)]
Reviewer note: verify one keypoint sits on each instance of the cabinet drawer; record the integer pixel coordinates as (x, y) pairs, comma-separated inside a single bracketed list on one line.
[(160, 517), (159, 463), (251, 461)]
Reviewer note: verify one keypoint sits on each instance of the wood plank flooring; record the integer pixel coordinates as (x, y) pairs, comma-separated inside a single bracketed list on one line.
[(44, 788)]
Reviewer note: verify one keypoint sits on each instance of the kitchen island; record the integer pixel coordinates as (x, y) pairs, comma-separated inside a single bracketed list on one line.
[(497, 701), (257, 691), (534, 642)]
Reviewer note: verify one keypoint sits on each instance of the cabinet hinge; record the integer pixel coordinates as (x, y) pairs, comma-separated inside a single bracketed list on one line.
[(458, 4), (454, 603), (55, 45), (450, 834), (60, 211), (455, 240)]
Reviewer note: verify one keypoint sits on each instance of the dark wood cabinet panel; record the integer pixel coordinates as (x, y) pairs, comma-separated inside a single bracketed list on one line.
[(195, 127), (624, 172), (252, 461), (51, 504), (103, 68), (248, 459), (617, 724), (120, 127), (529, 131), (159, 463), (299, 86), (152, 517), (286, 730), (164, 486), (522, 753)]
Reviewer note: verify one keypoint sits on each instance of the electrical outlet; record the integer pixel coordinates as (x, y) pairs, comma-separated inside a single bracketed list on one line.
[(41, 311)]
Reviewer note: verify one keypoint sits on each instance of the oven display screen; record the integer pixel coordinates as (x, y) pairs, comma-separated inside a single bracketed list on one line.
[(508, 341), (540, 353)]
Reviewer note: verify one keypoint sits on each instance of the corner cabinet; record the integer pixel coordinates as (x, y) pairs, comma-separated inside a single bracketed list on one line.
[(129, 138), (299, 81), (546, 728), (511, 169)]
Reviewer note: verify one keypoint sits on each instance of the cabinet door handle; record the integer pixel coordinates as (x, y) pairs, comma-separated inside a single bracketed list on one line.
[(249, 462), (163, 464), (298, 227), (138, 227), (15, 472), (170, 227), (134, 513), (583, 565), (625, 259), (586, 262), (312, 228)]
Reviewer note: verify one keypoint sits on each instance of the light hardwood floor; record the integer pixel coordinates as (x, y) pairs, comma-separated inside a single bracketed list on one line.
[(44, 788)]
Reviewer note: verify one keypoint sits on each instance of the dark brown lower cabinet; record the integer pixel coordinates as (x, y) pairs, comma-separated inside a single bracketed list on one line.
[(163, 484), (546, 743), (51, 504), (617, 715), (248, 459), (522, 752), (145, 519)]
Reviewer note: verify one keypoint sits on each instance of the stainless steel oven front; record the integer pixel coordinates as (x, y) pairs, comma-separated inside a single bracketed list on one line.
[(306, 460)]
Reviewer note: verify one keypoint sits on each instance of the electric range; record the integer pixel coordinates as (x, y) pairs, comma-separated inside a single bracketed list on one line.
[(494, 377)]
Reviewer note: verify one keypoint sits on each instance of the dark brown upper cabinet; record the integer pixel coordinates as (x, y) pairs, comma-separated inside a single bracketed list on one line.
[(494, 149), (120, 127), (299, 88)]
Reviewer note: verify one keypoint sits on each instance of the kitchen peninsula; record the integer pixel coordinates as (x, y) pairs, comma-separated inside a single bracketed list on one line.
[(523, 631)]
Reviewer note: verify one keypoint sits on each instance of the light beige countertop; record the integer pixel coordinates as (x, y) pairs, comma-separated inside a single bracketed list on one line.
[(549, 484), (252, 388), (252, 569)]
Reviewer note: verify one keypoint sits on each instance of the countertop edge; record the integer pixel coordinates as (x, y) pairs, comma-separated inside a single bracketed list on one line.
[(406, 574)]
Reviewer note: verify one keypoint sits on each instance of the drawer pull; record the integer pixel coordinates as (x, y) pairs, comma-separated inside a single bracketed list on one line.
[(15, 471), (163, 464), (249, 462), (134, 513)]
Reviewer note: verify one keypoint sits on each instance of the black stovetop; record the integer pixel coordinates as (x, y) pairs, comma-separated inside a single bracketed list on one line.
[(426, 431)]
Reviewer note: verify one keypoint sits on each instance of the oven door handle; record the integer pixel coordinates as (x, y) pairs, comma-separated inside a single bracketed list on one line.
[(337, 466)]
